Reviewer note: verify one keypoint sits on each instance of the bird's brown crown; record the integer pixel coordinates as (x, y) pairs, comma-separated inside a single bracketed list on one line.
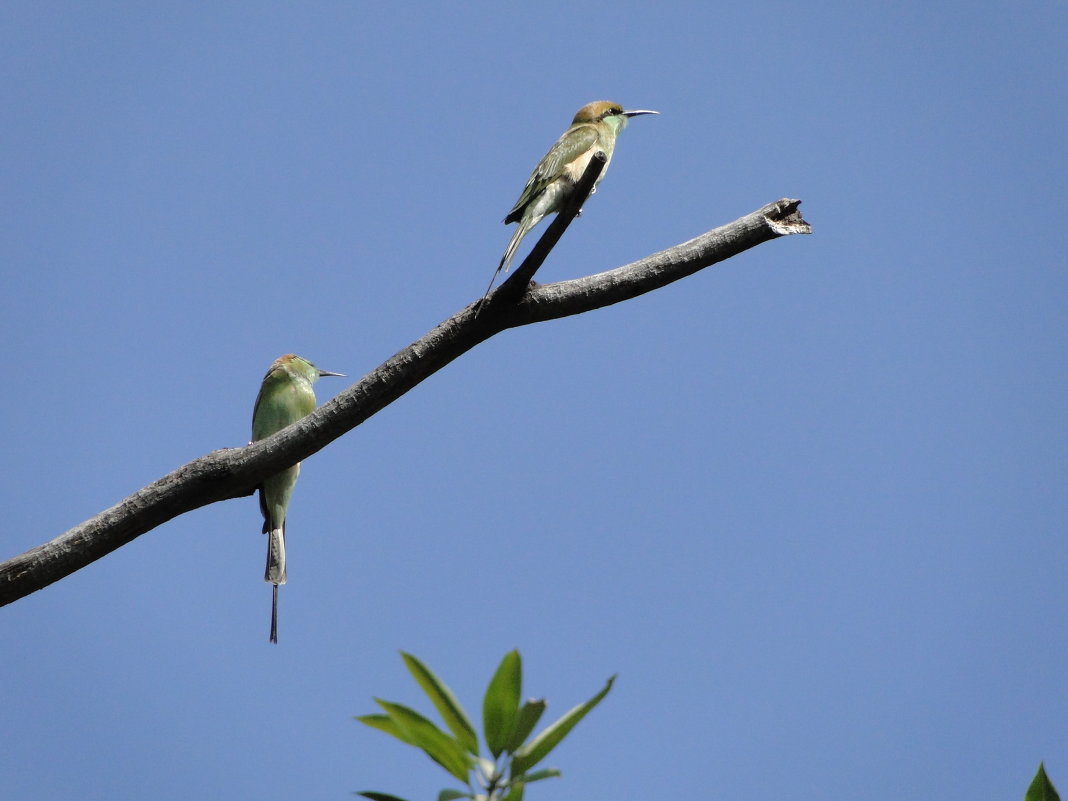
[(597, 111)]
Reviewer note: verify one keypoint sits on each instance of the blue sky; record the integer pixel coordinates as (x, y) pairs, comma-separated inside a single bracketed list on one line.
[(809, 504)]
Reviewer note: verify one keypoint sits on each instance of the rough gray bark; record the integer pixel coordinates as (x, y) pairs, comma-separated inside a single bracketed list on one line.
[(236, 472)]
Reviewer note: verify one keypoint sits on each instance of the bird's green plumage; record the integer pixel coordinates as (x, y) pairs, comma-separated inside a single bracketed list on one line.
[(576, 141), (594, 129), (285, 396)]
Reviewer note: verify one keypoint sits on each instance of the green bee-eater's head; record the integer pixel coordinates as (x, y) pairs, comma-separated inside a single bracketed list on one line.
[(297, 366), (608, 112)]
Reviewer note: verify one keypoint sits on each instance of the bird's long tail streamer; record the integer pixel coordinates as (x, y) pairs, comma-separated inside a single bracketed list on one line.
[(485, 295), (274, 614)]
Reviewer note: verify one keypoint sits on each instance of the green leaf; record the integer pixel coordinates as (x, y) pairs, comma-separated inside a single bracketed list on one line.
[(537, 776), (515, 794), (1041, 788), (444, 701), (536, 750), (529, 715), (452, 795), (379, 796), (500, 708), (517, 785), (422, 733), (384, 723)]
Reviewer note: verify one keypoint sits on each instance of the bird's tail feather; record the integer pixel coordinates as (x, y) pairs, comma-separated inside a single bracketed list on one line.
[(274, 614), (276, 557), (275, 572), (489, 287), (506, 259), (513, 246)]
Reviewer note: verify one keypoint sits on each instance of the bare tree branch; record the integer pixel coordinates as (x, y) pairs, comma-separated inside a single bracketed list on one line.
[(236, 472)]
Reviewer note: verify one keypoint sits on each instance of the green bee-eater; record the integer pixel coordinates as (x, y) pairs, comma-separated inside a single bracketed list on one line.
[(595, 127), (286, 395)]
